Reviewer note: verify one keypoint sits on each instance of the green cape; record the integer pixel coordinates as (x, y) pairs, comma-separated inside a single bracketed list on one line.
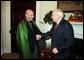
[(22, 40)]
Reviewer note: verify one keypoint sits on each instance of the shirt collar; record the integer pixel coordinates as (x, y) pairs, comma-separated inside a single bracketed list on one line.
[(59, 21)]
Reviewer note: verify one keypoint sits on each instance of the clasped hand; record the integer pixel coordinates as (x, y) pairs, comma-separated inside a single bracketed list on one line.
[(38, 37), (54, 50)]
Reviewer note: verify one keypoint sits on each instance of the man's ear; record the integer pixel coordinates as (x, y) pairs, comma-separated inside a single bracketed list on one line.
[(26, 15)]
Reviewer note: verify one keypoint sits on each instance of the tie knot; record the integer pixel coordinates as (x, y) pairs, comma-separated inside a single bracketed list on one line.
[(54, 24)]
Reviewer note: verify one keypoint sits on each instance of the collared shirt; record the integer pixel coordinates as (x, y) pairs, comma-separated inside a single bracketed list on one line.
[(59, 21), (30, 24)]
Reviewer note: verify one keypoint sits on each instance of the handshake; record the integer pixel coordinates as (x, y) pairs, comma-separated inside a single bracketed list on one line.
[(38, 37), (54, 50)]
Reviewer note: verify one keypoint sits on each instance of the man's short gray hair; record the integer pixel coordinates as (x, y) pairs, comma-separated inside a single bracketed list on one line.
[(59, 12)]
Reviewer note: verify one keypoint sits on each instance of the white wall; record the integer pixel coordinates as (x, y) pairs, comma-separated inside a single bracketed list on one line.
[(5, 27), (43, 7), (78, 30)]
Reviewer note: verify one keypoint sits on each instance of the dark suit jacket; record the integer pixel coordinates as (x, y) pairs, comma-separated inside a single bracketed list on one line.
[(62, 37), (41, 43)]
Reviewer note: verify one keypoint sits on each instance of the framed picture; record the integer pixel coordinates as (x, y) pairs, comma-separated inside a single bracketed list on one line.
[(76, 17), (70, 5), (75, 7)]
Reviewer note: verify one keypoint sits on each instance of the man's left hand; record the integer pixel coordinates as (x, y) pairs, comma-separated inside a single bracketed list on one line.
[(54, 50)]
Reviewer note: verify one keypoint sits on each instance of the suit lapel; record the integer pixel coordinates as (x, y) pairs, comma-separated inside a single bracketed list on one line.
[(59, 25)]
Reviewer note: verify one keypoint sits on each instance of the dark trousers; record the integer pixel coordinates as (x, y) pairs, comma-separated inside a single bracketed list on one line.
[(35, 54)]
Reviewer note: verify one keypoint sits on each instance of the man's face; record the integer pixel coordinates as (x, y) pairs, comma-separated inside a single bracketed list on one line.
[(55, 17), (29, 15)]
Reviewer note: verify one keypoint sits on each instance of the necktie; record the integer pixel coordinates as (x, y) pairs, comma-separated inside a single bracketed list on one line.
[(54, 25), (30, 24)]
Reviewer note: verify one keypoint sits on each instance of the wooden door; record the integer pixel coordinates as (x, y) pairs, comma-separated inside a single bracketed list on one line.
[(17, 14)]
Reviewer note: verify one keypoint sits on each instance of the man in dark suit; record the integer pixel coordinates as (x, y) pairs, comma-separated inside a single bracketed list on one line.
[(62, 35)]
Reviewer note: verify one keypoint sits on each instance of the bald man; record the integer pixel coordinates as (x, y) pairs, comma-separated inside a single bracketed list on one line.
[(26, 40), (62, 35)]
